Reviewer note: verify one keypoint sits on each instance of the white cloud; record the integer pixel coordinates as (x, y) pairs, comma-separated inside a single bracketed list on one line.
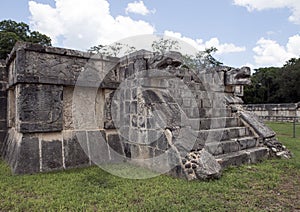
[(270, 53), (138, 8), (82, 24), (293, 5), (200, 45)]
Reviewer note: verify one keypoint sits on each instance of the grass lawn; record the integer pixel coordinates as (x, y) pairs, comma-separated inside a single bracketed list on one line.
[(271, 185)]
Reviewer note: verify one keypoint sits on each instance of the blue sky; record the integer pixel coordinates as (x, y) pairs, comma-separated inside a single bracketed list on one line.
[(256, 33)]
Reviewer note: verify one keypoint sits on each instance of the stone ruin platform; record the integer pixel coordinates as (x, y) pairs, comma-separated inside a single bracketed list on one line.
[(62, 109)]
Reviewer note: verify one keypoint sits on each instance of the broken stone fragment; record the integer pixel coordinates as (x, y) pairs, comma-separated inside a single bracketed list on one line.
[(284, 154), (277, 149), (204, 166)]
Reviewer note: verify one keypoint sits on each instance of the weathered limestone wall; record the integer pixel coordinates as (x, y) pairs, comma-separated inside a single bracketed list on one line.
[(3, 103), (276, 112), (41, 135)]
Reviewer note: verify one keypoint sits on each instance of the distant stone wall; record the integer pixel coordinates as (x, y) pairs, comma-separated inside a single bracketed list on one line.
[(276, 112)]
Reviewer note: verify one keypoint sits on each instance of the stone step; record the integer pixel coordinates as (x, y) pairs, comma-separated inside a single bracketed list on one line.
[(253, 155), (233, 145), (213, 123), (196, 112), (223, 134), (205, 137)]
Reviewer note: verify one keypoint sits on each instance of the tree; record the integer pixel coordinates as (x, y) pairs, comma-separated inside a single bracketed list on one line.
[(202, 59), (264, 86), (199, 61), (275, 85), (290, 81), (11, 32), (164, 45), (113, 50)]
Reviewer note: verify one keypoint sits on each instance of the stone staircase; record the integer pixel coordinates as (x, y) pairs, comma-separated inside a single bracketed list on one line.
[(221, 132), (229, 140)]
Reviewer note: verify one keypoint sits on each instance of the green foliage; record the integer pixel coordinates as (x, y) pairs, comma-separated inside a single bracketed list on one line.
[(7, 41), (272, 185), (114, 50), (275, 85), (264, 86), (165, 45), (202, 59), (290, 81), (11, 32)]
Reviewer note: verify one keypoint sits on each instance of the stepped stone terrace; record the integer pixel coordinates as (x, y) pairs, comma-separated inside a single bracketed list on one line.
[(63, 108)]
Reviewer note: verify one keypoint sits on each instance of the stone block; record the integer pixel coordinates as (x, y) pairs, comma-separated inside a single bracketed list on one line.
[(26, 159), (3, 73), (214, 148), (127, 107), (2, 137), (3, 94), (173, 159), (199, 144), (134, 136), (159, 160), (115, 144), (140, 65), (230, 146), (214, 135), (127, 150), (116, 148), (233, 159), (3, 125), (58, 67), (75, 149), (134, 121), (40, 108), (133, 107), (129, 71), (247, 142), (52, 155), (205, 124), (141, 122), (134, 93), (3, 108), (151, 97), (162, 143), (135, 151), (109, 124), (153, 136), (67, 108), (99, 153), (258, 154)]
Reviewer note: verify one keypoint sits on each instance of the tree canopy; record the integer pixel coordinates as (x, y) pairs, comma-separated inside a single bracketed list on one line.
[(275, 85), (11, 32), (202, 59)]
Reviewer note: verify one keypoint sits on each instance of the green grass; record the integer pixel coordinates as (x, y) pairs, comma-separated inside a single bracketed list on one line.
[(269, 186)]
